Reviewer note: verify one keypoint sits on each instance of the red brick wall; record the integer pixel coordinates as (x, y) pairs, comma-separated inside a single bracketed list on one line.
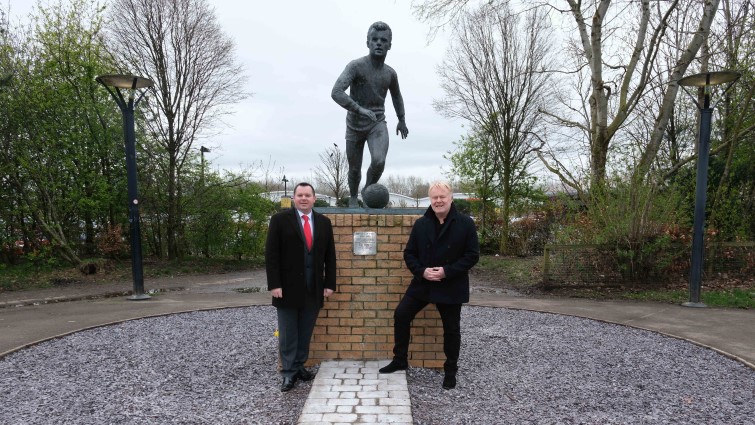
[(357, 321)]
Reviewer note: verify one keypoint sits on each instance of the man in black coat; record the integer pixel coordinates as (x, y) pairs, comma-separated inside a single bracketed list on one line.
[(300, 260), (441, 250)]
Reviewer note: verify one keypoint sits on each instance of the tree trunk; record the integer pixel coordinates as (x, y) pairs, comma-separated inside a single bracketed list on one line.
[(172, 226)]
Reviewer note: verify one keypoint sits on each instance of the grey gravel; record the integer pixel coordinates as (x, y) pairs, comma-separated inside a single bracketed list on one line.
[(219, 367), (521, 367), (210, 367)]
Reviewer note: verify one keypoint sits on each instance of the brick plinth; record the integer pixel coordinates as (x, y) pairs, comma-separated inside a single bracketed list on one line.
[(357, 321)]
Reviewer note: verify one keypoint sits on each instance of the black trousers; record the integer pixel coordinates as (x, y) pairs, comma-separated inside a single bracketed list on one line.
[(450, 314), (295, 327)]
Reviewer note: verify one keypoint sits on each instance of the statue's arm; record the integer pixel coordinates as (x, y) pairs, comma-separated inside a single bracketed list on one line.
[(339, 94), (398, 105), (339, 90)]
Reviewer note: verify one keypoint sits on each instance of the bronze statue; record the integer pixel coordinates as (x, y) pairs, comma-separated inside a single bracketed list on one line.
[(368, 80)]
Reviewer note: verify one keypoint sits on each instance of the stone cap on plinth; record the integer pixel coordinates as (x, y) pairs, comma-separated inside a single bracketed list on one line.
[(372, 211)]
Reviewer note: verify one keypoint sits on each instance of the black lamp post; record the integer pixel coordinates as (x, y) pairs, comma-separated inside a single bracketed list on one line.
[(285, 187), (704, 81), (202, 151), (206, 241), (114, 83)]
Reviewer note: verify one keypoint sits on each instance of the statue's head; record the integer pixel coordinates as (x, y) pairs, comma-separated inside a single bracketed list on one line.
[(379, 40), (380, 26)]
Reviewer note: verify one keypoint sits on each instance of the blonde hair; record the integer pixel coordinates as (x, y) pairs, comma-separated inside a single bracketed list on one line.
[(440, 185)]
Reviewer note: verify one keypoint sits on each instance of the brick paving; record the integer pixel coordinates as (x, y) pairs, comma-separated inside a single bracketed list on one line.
[(353, 392)]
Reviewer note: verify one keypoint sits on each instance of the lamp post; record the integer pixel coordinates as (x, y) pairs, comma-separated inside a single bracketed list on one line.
[(703, 81), (285, 200), (206, 238), (114, 83), (202, 151)]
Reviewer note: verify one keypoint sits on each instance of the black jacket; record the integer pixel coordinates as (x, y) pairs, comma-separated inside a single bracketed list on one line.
[(456, 248), (285, 253)]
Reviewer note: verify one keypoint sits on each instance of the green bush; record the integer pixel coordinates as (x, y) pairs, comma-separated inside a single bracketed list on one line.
[(640, 230)]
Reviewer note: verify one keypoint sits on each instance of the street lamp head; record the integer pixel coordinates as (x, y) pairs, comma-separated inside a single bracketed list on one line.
[(204, 149), (124, 81), (113, 83), (709, 79), (705, 81)]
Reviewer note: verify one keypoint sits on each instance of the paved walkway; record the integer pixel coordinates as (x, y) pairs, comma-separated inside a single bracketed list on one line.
[(353, 392), (343, 391)]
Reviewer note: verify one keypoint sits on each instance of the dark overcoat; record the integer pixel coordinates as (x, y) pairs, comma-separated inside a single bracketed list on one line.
[(285, 256), (455, 248)]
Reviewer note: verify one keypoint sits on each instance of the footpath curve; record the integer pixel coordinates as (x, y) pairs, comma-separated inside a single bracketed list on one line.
[(29, 317)]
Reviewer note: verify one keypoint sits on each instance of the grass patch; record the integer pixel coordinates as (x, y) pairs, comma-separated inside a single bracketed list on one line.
[(736, 297), (29, 275), (669, 297), (197, 266), (524, 274), (509, 272), (729, 298)]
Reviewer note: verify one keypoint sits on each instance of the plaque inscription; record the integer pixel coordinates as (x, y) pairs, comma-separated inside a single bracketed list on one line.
[(365, 243)]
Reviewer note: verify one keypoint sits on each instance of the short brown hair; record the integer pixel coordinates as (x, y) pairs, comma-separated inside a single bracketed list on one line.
[(380, 26), (304, 184)]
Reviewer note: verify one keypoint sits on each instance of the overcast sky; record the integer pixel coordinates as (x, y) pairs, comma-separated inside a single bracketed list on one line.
[(293, 51)]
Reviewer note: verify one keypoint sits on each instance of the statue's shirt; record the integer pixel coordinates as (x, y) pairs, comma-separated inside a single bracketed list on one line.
[(368, 86)]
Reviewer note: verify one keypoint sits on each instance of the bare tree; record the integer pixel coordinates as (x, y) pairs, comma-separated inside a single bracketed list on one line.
[(272, 175), (733, 46), (331, 173), (615, 62), (492, 77), (394, 183), (180, 46), (412, 186), (417, 188), (684, 60)]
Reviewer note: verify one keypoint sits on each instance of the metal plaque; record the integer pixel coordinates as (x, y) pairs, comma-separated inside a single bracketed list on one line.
[(365, 243)]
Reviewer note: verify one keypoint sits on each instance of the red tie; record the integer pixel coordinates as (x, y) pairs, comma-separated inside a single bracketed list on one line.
[(307, 232)]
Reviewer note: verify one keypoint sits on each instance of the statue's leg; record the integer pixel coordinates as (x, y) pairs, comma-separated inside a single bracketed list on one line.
[(377, 141), (354, 153)]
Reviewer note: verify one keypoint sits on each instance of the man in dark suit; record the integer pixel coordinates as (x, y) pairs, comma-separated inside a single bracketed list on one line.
[(441, 250), (300, 260)]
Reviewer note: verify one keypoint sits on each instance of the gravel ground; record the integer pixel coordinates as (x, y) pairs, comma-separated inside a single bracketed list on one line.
[(521, 367), (219, 367)]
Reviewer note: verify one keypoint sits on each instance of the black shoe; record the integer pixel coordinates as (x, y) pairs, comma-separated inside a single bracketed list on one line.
[(393, 366), (288, 384), (305, 375), (449, 381)]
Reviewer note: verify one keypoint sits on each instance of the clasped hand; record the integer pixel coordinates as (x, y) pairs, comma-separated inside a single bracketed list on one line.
[(435, 274)]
